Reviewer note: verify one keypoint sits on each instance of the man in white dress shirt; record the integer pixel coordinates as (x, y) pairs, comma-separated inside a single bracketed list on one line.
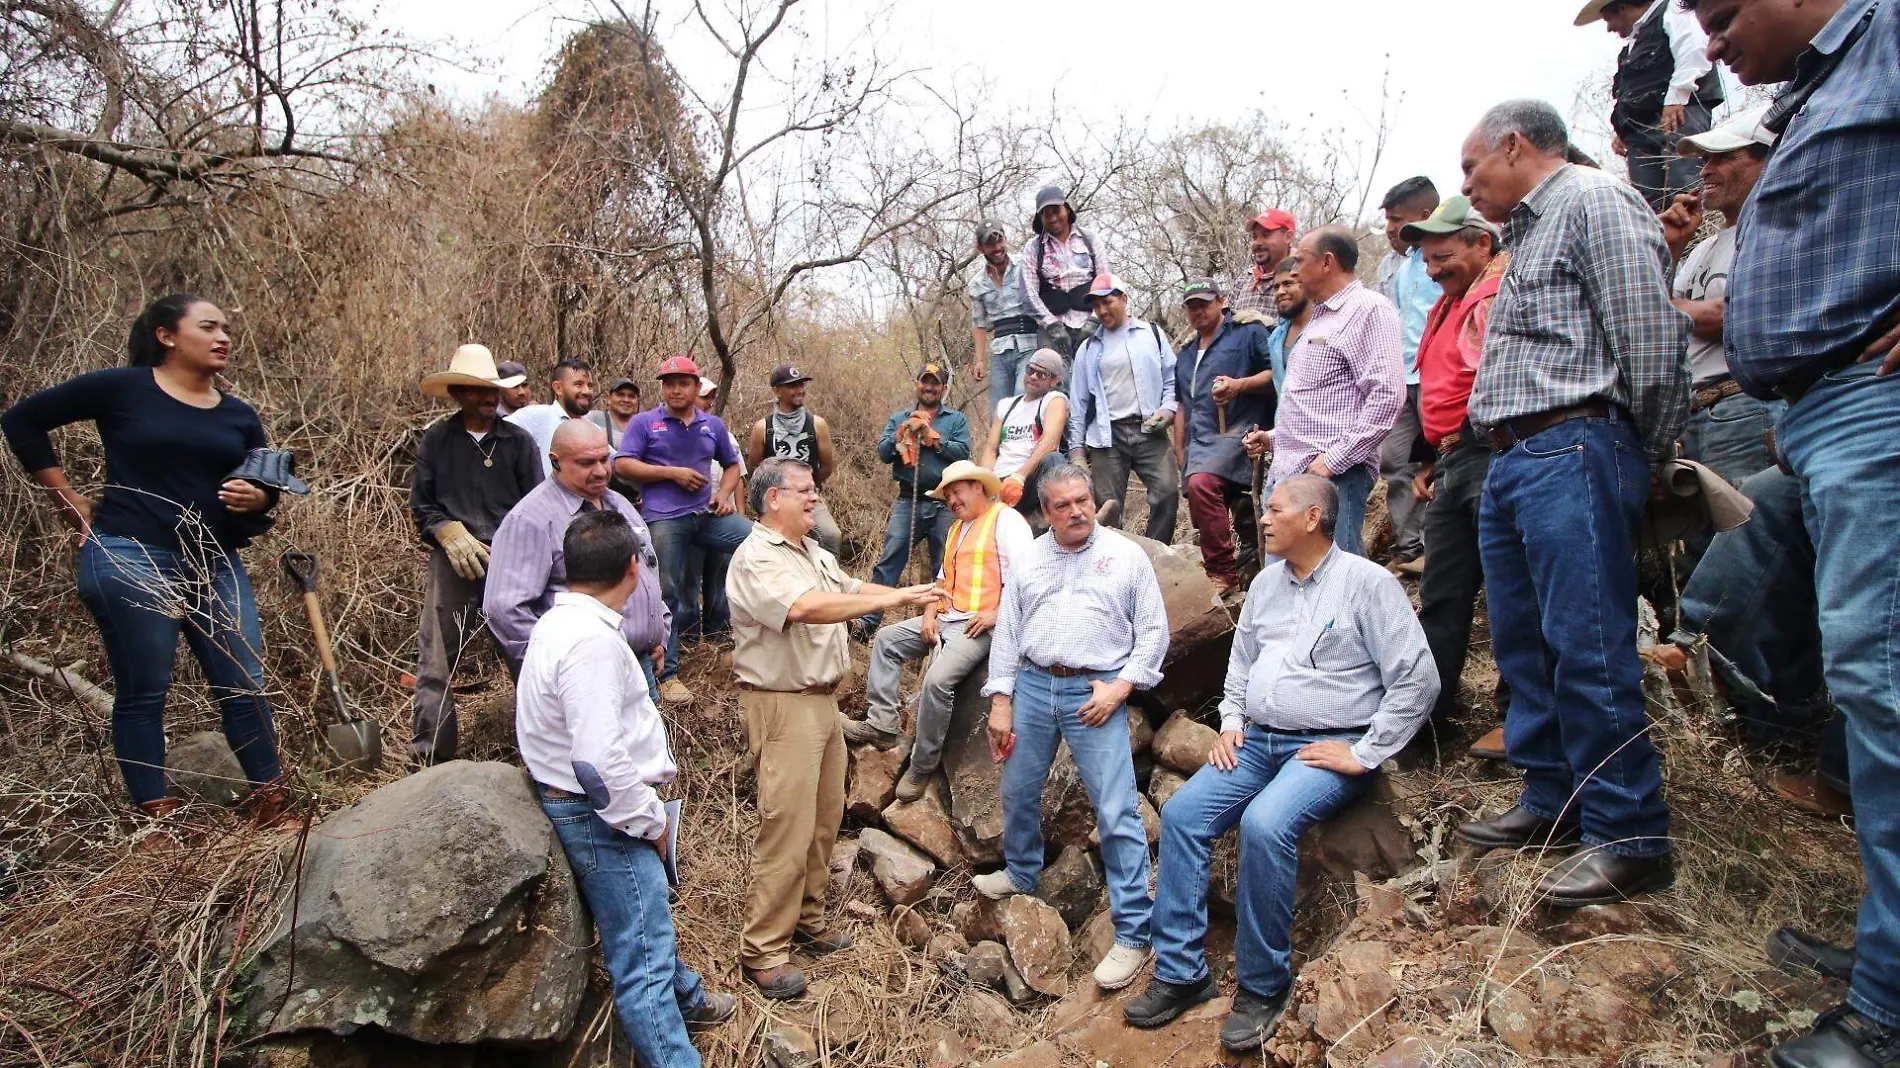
[(1081, 626), (596, 748)]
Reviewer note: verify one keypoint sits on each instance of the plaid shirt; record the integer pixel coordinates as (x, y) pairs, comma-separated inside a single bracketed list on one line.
[(1345, 383), (1253, 291), (1831, 190), (1066, 264), (1584, 312)]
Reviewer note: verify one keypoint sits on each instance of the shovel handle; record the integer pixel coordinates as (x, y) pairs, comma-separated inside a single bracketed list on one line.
[(320, 631)]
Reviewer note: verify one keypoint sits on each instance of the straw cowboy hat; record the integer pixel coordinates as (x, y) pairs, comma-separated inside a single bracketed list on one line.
[(966, 471), (1593, 11), (473, 365)]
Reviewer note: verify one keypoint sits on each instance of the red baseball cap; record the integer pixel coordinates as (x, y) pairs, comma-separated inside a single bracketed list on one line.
[(1274, 219), (679, 365)]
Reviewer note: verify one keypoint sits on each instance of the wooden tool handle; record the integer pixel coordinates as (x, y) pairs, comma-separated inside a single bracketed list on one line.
[(317, 628)]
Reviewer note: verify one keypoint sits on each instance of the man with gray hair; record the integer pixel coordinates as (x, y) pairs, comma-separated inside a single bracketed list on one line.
[(1581, 395), (1329, 677)]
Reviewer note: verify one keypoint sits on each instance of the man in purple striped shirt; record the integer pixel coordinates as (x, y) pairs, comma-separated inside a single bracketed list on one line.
[(525, 566), (1345, 382)]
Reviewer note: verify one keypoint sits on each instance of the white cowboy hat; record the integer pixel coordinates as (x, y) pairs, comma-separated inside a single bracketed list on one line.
[(967, 471), (473, 365)]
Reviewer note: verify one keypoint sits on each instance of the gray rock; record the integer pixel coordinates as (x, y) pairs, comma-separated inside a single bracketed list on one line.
[(1183, 743), (203, 768), (1163, 786), (924, 824), (1072, 886), (904, 874), (439, 908)]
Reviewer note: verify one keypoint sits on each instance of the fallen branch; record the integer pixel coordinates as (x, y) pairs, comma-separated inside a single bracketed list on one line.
[(67, 679)]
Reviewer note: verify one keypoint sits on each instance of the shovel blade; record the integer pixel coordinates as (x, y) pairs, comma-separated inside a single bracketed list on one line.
[(356, 745)]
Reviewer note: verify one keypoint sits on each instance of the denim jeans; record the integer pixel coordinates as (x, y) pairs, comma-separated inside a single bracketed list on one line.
[(142, 596), (1752, 597), (1397, 468), (674, 542), (1843, 440), (951, 661), (1007, 367), (933, 527), (623, 880), (1730, 436), (1044, 709), (1274, 798), (1448, 590), (1555, 533), (1657, 166), (1354, 487)]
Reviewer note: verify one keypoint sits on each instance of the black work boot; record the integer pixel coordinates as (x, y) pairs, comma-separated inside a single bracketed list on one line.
[(1252, 1020), (1842, 1038), (1163, 1001), (1519, 828)]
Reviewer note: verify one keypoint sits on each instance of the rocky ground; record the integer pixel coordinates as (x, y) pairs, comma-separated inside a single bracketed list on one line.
[(434, 925)]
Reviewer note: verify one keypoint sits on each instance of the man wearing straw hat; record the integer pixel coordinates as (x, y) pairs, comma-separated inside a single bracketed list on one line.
[(471, 468), (1665, 88), (985, 538)]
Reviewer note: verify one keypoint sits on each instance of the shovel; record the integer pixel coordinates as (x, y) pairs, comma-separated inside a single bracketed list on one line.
[(354, 742)]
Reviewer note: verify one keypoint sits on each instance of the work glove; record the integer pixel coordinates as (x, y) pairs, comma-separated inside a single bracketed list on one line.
[(1012, 492), (466, 553), (1157, 423)]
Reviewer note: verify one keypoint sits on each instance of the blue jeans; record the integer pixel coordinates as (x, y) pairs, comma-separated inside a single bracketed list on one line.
[(675, 541), (1044, 711), (1752, 596), (933, 527), (142, 597), (1843, 440), (623, 880), (1006, 368), (1274, 798), (1354, 486), (1554, 529), (1730, 437)]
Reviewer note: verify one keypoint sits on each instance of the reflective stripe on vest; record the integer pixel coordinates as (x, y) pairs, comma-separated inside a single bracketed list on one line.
[(977, 562)]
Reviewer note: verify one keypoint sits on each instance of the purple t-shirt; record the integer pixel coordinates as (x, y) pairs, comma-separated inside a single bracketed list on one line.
[(656, 438)]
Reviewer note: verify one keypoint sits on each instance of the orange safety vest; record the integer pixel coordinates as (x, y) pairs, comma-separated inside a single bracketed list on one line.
[(973, 570)]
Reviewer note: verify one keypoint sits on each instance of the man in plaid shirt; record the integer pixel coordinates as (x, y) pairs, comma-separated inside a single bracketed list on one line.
[(1582, 392), (1270, 236)]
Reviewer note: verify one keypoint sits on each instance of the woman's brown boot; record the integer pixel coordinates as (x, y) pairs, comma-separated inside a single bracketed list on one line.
[(269, 806)]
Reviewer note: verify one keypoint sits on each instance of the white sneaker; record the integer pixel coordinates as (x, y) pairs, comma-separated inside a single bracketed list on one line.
[(1121, 966), (996, 886), (674, 692)]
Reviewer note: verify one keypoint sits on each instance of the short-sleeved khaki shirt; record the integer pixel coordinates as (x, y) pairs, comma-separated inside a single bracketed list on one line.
[(769, 573)]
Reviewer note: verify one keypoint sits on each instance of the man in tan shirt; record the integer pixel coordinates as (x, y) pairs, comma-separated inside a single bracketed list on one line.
[(790, 603)]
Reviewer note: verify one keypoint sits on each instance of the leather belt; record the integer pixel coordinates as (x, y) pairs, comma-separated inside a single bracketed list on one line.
[(1512, 431), (1713, 394), (553, 794), (1458, 437), (1061, 672), (823, 689)]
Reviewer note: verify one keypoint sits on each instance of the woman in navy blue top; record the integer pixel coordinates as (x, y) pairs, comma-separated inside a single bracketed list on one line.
[(158, 550)]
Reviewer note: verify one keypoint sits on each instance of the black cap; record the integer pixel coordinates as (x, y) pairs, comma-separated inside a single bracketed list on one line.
[(623, 383), (788, 374), (1200, 289), (989, 230)]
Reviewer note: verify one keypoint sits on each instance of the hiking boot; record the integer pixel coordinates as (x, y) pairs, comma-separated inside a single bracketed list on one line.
[(861, 732), (1811, 795), (1842, 1038), (1121, 966), (269, 806), (1252, 1020), (1794, 950), (827, 941), (996, 886), (674, 692), (1163, 1001), (912, 787), (783, 983), (714, 1009)]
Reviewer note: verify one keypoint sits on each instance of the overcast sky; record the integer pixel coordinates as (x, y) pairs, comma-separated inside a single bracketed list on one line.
[(1316, 65)]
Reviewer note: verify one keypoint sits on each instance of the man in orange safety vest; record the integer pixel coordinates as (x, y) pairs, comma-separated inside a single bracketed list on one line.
[(985, 537)]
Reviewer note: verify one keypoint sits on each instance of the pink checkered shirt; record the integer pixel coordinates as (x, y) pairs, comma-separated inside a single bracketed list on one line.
[(1345, 385)]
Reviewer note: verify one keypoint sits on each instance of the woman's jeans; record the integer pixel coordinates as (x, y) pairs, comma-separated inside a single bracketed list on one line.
[(623, 881), (142, 596)]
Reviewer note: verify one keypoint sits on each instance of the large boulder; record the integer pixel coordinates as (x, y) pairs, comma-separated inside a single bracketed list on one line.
[(1072, 885), (1183, 744), (976, 803), (924, 824), (904, 874), (1033, 930), (439, 908), (1200, 628), (202, 767), (872, 784)]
